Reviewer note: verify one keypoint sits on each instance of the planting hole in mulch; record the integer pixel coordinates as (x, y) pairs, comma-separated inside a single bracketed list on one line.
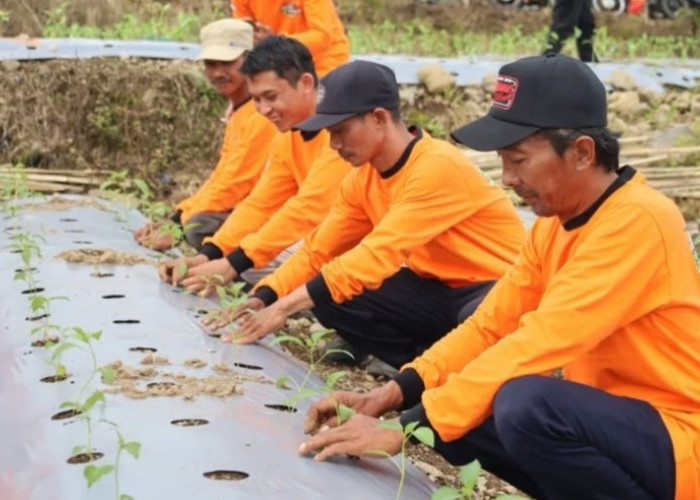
[(82, 458), (15, 251), (98, 274), (113, 296), (74, 231), (143, 349), (126, 321), (12, 228), (68, 220), (160, 385), (31, 290), (189, 422), (226, 475), (55, 378), (284, 408), (27, 270), (248, 367), (82, 242), (216, 335), (48, 341), (36, 318), (65, 414)]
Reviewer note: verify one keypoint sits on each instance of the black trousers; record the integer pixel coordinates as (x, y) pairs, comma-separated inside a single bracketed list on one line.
[(403, 317), (566, 16), (560, 440)]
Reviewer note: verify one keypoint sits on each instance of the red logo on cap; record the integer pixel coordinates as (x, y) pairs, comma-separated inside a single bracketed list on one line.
[(506, 88)]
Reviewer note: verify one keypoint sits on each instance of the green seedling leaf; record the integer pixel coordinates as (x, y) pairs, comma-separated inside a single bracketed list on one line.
[(182, 268), (38, 302), (446, 493), (319, 335), (334, 351), (394, 425), (425, 435), (69, 404), (280, 339), (61, 370), (469, 473), (107, 373), (124, 496), (410, 427), (20, 275), (281, 383), (143, 187), (333, 379), (92, 400), (77, 449), (62, 347), (94, 473), (344, 413), (96, 335), (133, 448), (377, 452)]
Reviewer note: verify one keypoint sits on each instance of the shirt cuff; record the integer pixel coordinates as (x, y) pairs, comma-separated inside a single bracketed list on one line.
[(319, 291), (177, 217), (266, 294), (411, 386), (239, 261), (211, 251)]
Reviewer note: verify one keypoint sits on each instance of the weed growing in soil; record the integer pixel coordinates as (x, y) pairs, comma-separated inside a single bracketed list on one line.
[(468, 474), (411, 430)]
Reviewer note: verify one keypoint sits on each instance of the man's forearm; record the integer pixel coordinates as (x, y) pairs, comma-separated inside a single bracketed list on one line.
[(296, 301)]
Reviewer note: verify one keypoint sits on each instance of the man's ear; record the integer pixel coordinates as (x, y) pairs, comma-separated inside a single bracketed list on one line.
[(583, 151), (380, 117), (306, 82)]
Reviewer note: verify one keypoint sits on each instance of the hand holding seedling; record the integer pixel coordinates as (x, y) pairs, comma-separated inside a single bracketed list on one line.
[(198, 279), (151, 236), (214, 322), (361, 435), (256, 326), (172, 271), (375, 403)]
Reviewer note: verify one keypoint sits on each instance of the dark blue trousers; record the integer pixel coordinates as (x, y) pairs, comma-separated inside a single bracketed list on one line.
[(403, 317), (560, 440)]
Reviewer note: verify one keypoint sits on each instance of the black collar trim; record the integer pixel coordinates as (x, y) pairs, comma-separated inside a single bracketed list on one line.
[(418, 133), (241, 104), (309, 135), (624, 174)]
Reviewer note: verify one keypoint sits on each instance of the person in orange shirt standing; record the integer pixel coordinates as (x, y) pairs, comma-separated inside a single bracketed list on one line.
[(244, 152), (315, 23), (606, 287), (414, 241), (296, 189)]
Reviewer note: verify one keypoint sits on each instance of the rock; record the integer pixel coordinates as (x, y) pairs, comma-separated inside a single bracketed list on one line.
[(436, 78), (408, 94), (488, 84), (622, 80), (626, 104)]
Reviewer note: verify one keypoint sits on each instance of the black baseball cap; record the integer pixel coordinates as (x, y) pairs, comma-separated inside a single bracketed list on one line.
[(352, 89), (552, 91)]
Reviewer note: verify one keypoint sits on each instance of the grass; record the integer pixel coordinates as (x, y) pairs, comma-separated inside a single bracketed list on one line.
[(416, 37)]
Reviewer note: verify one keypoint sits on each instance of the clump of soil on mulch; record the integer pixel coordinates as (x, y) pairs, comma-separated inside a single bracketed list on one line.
[(60, 204), (95, 256), (141, 383)]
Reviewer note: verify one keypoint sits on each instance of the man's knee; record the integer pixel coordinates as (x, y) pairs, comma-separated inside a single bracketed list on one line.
[(519, 406)]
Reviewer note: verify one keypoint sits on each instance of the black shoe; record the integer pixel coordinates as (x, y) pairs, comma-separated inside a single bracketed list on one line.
[(378, 368), (343, 353)]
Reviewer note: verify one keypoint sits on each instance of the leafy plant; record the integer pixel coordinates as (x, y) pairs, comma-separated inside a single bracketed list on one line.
[(468, 475), (310, 344), (411, 430), (94, 473)]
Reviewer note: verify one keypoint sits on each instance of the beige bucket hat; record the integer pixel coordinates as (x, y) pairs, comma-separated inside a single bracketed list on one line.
[(225, 40)]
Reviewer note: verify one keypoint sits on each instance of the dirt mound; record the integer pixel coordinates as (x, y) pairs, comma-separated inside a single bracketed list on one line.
[(151, 117), (97, 256)]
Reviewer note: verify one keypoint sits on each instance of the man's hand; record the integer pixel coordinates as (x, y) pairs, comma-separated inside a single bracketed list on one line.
[(204, 278), (172, 271), (361, 435), (254, 326), (220, 318), (374, 404), (261, 32), (150, 236)]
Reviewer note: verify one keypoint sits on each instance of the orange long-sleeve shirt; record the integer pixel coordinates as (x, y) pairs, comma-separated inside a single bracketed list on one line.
[(614, 298), (315, 23), (433, 211), (293, 195), (243, 155)]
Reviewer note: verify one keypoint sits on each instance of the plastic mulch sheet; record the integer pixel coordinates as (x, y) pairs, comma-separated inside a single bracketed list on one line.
[(167, 368)]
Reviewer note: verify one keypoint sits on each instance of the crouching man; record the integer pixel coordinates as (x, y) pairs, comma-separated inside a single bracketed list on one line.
[(606, 287)]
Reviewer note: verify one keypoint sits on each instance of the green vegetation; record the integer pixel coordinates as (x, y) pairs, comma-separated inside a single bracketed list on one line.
[(468, 474)]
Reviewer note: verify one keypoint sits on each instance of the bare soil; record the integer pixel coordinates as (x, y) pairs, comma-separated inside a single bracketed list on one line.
[(60, 204), (97, 256)]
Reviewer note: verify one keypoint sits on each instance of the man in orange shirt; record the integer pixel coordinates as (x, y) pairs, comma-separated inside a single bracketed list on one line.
[(415, 239), (605, 287), (315, 23), (244, 152), (296, 189)]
